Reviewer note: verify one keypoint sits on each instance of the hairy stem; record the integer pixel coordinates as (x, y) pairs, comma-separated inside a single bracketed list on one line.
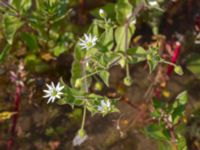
[(84, 117), (169, 63), (85, 84)]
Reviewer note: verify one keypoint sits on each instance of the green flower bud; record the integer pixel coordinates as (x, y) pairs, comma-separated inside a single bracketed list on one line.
[(98, 86), (102, 13), (81, 133), (78, 83), (149, 57), (128, 81), (178, 70), (122, 62)]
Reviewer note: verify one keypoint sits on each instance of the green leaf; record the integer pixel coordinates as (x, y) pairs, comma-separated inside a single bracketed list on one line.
[(21, 4), (193, 64), (179, 106), (182, 97), (123, 11), (153, 58), (105, 77), (156, 131), (76, 72), (120, 37), (11, 25), (152, 65), (106, 41), (177, 113), (30, 40), (59, 50), (78, 53), (137, 54), (182, 143), (4, 52), (164, 145), (158, 104), (94, 29)]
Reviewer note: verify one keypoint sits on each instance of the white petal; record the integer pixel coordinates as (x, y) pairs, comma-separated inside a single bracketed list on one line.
[(47, 91), (53, 99), (58, 85), (79, 140), (57, 96), (52, 84), (83, 41), (49, 100), (86, 37), (99, 108), (48, 95), (82, 44), (108, 104), (103, 103), (59, 93), (61, 87)]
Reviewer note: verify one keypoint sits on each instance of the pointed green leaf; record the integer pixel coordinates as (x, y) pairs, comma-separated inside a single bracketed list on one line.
[(123, 11), (11, 25)]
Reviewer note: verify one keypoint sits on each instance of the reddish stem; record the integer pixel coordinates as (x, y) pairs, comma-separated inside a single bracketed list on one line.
[(15, 116), (174, 58)]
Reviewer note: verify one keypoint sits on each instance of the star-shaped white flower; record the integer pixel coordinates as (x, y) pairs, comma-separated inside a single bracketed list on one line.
[(105, 106), (88, 42), (53, 92)]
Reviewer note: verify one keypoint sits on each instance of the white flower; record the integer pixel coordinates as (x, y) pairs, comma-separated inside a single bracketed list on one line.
[(153, 3), (102, 13), (105, 106), (80, 138), (88, 42), (53, 92)]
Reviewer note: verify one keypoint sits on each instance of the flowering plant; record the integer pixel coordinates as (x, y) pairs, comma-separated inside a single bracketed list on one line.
[(106, 44), (45, 33)]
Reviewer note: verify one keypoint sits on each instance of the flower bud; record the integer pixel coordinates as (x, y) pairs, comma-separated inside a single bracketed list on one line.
[(178, 70), (81, 132), (122, 62), (149, 57), (98, 86), (102, 13), (78, 83), (153, 3), (128, 81)]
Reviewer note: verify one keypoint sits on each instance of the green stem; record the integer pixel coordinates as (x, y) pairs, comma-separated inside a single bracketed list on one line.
[(127, 70), (88, 75), (86, 90), (166, 62), (84, 116)]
